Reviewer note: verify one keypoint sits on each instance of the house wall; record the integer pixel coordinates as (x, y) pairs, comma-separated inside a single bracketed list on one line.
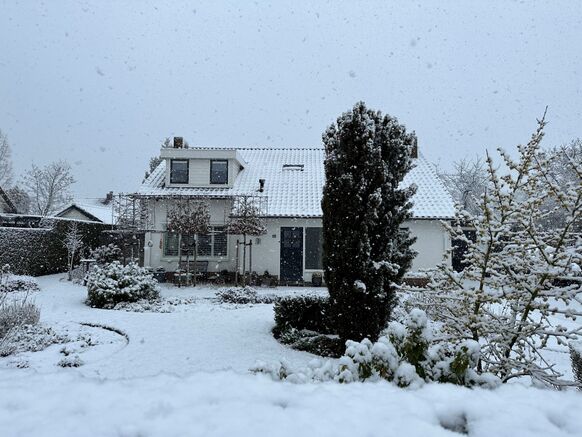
[(432, 242), (73, 213)]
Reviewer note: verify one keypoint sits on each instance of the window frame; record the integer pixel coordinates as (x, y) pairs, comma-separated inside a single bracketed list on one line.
[(168, 235), (306, 247), (214, 161), (187, 161)]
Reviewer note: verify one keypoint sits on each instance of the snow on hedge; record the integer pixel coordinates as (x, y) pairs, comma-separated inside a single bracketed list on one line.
[(230, 404)]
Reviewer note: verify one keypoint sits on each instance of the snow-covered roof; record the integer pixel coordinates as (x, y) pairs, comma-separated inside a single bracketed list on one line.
[(294, 179), (103, 213)]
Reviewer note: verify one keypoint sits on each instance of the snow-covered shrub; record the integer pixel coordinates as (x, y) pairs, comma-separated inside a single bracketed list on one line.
[(576, 357), (71, 361), (15, 313), (107, 254), (407, 354), (160, 305), (242, 295), (29, 338), (114, 283), (305, 312), (19, 283), (10, 282), (326, 345)]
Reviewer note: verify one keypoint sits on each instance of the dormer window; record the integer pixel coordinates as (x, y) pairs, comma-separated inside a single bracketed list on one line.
[(294, 167), (179, 171), (219, 171)]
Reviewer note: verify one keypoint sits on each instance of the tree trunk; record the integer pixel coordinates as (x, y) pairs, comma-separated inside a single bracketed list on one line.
[(195, 256), (236, 270), (179, 259), (244, 281)]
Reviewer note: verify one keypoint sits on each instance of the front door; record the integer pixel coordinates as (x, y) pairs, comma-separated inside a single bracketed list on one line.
[(291, 254)]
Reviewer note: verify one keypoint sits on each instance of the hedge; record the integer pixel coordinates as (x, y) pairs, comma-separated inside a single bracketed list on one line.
[(40, 251), (302, 312)]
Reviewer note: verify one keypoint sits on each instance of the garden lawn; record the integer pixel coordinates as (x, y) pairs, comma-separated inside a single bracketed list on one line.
[(186, 373)]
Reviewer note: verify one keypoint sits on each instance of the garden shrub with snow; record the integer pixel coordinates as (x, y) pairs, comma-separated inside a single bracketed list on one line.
[(16, 312), (13, 283), (29, 338), (114, 283), (407, 354), (106, 254), (242, 295), (303, 312), (304, 323), (160, 305)]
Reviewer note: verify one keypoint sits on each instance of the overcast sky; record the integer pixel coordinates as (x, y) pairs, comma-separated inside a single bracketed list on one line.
[(101, 83)]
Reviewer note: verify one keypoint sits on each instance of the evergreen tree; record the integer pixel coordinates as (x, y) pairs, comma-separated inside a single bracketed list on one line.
[(366, 253)]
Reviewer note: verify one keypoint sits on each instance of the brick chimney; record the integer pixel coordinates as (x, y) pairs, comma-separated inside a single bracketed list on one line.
[(178, 142), (108, 198)]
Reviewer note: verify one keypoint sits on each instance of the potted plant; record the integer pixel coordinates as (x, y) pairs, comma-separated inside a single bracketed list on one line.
[(316, 279)]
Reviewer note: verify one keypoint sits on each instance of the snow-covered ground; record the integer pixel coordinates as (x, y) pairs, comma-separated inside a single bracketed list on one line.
[(186, 373)]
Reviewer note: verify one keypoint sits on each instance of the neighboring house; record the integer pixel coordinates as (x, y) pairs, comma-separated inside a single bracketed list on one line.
[(6, 205), (93, 212), (288, 185)]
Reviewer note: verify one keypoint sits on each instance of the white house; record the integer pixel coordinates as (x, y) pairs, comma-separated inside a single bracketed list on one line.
[(288, 184)]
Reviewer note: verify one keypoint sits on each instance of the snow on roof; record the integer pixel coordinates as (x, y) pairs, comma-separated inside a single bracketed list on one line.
[(104, 213), (294, 179)]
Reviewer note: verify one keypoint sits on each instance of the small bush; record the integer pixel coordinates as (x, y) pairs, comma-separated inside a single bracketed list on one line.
[(29, 338), (19, 283), (114, 283), (11, 283), (107, 254), (15, 313), (406, 354), (242, 295), (576, 357), (313, 342), (70, 361), (302, 313)]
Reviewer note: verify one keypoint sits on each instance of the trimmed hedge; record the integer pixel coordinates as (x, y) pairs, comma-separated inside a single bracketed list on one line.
[(302, 312), (40, 251)]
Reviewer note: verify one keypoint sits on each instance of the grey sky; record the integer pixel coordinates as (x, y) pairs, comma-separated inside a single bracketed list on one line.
[(101, 83)]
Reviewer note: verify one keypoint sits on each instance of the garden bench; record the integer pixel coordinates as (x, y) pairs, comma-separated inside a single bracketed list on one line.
[(188, 269)]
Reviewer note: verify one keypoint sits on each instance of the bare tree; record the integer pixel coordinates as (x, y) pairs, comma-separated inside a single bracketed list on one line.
[(562, 161), (73, 242), (5, 161), (49, 187), (189, 219), (246, 219), (467, 183)]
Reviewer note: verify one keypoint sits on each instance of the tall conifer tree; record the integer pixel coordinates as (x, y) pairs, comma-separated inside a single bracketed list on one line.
[(366, 252)]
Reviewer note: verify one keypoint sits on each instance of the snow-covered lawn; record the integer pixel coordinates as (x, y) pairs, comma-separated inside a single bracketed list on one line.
[(186, 373)]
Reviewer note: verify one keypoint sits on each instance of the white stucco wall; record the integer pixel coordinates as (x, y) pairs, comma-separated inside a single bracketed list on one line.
[(432, 242)]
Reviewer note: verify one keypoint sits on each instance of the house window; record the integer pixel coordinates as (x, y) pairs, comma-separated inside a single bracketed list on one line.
[(218, 171), (208, 245), (179, 171), (313, 249), (219, 242), (171, 244)]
